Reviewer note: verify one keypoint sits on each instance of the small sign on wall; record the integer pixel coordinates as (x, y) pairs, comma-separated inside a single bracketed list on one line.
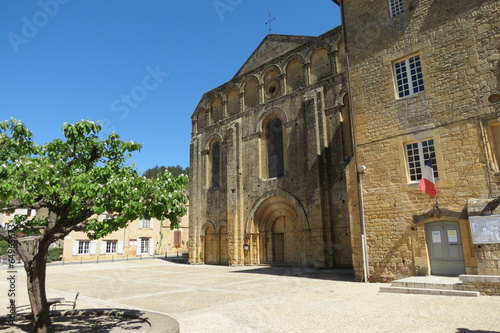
[(485, 229), (436, 236), (452, 236)]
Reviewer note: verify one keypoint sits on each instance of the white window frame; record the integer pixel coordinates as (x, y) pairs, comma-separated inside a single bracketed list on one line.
[(146, 224), (396, 7), (417, 153), (143, 224), (83, 247), (408, 76), (144, 245), (111, 246)]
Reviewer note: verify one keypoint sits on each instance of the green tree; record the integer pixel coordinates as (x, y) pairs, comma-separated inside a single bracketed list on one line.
[(69, 182), (158, 170)]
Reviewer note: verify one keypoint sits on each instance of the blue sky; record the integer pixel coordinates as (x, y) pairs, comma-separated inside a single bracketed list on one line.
[(140, 67)]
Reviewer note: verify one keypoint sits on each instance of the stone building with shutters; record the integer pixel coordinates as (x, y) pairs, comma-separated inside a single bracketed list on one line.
[(424, 76), (141, 238), (268, 156)]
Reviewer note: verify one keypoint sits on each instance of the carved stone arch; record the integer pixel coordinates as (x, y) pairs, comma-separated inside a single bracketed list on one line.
[(321, 66), (211, 139), (207, 225), (297, 205), (216, 109), (209, 243), (233, 99), (220, 224), (273, 82), (214, 161), (268, 114), (295, 56), (293, 66), (277, 228), (201, 116), (437, 213), (251, 88), (315, 47)]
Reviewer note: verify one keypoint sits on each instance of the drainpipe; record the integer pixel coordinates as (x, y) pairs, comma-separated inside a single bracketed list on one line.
[(360, 169)]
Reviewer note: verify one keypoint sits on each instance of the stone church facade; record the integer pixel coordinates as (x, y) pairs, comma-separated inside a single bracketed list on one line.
[(268, 155), (424, 78)]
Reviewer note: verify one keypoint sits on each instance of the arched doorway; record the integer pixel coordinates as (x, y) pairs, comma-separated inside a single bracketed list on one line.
[(223, 246), (210, 246), (278, 229), (444, 244)]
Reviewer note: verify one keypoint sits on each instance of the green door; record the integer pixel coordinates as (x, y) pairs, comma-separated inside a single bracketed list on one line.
[(444, 243)]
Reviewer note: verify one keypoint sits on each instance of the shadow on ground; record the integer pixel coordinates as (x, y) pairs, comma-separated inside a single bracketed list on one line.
[(465, 330), (89, 320), (323, 274), (82, 324)]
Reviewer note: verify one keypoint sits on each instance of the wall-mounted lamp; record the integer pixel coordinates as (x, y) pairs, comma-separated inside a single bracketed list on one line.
[(414, 228), (246, 247), (361, 169)]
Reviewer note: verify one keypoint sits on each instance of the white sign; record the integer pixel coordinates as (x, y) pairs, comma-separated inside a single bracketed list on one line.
[(436, 236), (485, 229), (452, 236)]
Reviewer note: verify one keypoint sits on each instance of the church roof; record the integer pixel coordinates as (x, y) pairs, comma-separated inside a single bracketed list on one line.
[(271, 47)]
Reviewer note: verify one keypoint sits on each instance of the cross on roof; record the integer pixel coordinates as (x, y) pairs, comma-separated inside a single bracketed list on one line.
[(270, 21)]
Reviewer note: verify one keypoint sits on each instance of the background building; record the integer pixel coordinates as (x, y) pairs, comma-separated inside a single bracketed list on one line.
[(268, 154), (420, 75), (140, 238)]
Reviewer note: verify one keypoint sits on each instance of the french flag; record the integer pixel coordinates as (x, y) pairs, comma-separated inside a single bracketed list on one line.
[(427, 183)]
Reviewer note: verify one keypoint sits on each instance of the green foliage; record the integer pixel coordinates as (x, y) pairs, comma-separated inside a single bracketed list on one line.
[(4, 246), (79, 177), (158, 170), (55, 254)]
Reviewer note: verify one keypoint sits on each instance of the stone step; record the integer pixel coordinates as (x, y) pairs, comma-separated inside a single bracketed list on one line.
[(427, 285), (429, 291)]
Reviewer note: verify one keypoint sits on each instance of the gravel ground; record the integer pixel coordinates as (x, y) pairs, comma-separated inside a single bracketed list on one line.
[(259, 299)]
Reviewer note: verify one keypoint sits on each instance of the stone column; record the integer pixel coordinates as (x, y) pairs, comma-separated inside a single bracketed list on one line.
[(234, 228), (307, 73)]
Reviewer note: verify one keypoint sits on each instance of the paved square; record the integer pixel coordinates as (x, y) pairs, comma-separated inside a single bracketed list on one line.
[(259, 299)]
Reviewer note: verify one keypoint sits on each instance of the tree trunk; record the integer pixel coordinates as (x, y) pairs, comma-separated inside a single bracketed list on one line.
[(36, 273)]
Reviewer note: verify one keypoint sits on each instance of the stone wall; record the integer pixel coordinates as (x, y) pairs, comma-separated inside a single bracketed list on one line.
[(458, 47), (486, 284)]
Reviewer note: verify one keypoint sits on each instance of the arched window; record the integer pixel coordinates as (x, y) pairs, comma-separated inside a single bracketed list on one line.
[(274, 144), (215, 165), (320, 65)]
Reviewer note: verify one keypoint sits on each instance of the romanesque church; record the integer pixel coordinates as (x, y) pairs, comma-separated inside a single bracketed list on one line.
[(268, 156)]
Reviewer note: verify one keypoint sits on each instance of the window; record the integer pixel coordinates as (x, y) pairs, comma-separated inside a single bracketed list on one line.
[(417, 153), (493, 144), (274, 145), (111, 246), (144, 245), (215, 164), (408, 75), (145, 224), (83, 247), (396, 7)]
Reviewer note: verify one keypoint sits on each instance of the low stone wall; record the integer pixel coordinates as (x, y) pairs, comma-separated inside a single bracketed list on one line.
[(486, 284)]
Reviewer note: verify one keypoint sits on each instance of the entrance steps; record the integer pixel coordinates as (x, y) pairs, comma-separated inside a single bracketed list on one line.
[(429, 285)]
